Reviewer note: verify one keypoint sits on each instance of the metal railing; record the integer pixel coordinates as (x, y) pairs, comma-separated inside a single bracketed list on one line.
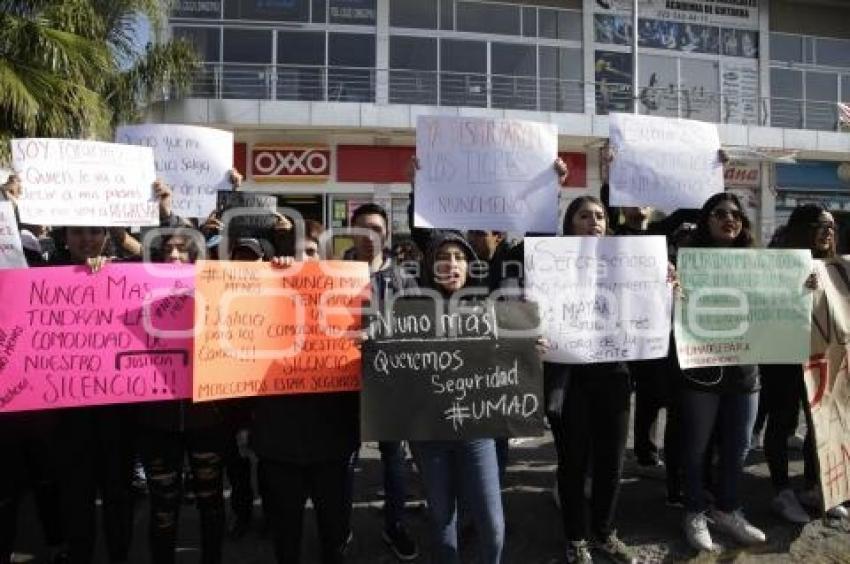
[(348, 84)]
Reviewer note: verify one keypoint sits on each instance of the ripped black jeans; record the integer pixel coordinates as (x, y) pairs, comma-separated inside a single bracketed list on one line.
[(162, 455)]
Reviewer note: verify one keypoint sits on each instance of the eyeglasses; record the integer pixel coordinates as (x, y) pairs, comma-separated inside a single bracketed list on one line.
[(723, 214)]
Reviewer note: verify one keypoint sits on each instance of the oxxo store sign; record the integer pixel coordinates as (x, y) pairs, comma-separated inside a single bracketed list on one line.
[(293, 163)]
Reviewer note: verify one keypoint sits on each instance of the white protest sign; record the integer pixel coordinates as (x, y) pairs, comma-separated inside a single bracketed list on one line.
[(71, 182), (602, 299), (489, 174), (194, 161), (11, 251), (664, 163)]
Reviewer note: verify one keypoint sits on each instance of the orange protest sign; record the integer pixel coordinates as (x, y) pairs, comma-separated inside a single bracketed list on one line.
[(268, 331)]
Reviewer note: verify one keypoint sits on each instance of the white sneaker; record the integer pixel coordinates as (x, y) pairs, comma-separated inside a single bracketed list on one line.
[(696, 531), (837, 512), (735, 525), (786, 506)]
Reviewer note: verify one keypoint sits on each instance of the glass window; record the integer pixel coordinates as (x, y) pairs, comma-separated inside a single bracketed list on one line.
[(739, 43), (559, 24), (514, 76), (786, 48), (300, 65), (206, 41), (786, 105), (196, 9), (845, 88), (278, 10), (414, 13), (785, 83), (347, 84), (300, 48), (320, 11), (822, 86), (488, 18), (354, 12), (833, 52), (252, 79), (561, 85), (658, 85), (616, 30), (613, 75), (418, 53), (413, 76), (247, 46), (690, 38), (447, 14), (529, 22), (463, 80), (809, 50), (699, 90)]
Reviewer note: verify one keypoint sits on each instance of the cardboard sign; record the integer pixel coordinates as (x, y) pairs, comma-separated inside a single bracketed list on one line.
[(827, 376), (491, 174), (664, 163), (268, 331), (602, 299), (743, 306), (434, 374), (194, 161), (71, 338), (11, 250), (85, 183)]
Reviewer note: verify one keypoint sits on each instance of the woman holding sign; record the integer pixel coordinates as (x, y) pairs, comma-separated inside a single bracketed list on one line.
[(449, 467), (95, 445), (725, 398), (172, 430), (590, 427), (811, 227)]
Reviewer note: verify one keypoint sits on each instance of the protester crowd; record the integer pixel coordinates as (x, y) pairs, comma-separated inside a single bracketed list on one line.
[(307, 445)]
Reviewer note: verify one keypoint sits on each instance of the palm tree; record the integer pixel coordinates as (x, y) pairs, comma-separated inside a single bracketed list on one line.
[(52, 70), (72, 68)]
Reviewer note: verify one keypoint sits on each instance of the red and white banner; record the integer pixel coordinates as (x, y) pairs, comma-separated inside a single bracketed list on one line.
[(293, 163), (740, 174)]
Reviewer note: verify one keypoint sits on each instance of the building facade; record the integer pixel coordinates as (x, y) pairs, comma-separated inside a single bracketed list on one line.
[(323, 95)]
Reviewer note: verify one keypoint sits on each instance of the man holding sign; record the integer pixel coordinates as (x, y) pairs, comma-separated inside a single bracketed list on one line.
[(662, 162), (489, 174)]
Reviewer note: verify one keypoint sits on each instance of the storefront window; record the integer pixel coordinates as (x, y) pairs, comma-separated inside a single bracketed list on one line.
[(833, 52), (786, 104), (821, 97), (206, 40)]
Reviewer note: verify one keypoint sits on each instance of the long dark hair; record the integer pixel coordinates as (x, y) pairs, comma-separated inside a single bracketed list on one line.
[(802, 231), (702, 234), (188, 234), (576, 205)]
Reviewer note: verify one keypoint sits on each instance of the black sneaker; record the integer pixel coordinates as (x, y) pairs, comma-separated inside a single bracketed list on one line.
[(616, 550), (401, 543)]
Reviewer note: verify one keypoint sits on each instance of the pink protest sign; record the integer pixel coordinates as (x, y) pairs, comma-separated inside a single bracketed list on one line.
[(71, 338)]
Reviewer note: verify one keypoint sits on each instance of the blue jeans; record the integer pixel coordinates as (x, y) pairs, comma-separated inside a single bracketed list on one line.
[(395, 491), (468, 470), (734, 415)]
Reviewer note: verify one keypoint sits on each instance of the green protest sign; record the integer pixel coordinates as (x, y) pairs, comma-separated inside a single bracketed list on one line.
[(743, 306)]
